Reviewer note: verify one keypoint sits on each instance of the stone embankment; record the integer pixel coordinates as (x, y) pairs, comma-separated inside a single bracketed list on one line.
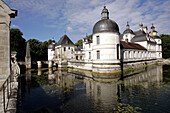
[(8, 96), (166, 61)]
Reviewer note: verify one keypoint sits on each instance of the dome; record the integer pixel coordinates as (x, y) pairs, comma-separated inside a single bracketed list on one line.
[(51, 46), (105, 25), (128, 31)]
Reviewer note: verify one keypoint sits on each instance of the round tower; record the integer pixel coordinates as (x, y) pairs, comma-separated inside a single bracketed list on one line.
[(106, 44), (128, 34), (51, 49)]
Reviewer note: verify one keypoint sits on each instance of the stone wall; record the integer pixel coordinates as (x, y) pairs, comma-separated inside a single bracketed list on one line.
[(5, 14)]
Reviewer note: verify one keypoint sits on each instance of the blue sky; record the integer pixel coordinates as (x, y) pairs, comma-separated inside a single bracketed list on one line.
[(44, 19)]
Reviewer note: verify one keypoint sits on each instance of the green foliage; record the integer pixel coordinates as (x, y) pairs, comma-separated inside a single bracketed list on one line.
[(79, 42), (89, 37), (18, 43), (69, 67), (38, 49), (126, 108), (165, 45)]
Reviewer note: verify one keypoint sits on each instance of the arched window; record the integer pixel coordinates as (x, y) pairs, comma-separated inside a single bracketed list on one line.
[(76, 57)]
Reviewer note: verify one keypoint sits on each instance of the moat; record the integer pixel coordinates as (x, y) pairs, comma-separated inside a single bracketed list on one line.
[(64, 91)]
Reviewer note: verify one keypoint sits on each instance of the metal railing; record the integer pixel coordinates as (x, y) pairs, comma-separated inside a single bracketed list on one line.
[(5, 92)]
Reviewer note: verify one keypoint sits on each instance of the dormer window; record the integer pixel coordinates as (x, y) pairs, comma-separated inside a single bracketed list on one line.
[(67, 42)]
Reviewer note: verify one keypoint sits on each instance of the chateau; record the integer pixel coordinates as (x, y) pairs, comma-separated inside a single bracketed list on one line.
[(107, 48)]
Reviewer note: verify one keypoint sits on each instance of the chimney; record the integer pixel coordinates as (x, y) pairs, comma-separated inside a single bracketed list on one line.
[(126, 40), (145, 29), (141, 27)]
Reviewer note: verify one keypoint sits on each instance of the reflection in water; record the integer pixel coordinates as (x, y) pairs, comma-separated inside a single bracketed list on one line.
[(64, 91)]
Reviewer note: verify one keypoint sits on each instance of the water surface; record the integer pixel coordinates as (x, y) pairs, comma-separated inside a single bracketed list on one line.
[(65, 91)]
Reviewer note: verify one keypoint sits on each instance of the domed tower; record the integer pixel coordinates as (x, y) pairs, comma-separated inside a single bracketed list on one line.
[(128, 34), (153, 33), (106, 44), (51, 49)]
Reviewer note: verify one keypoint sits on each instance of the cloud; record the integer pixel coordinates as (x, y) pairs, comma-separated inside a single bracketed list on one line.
[(121, 11), (14, 26), (79, 16), (69, 29)]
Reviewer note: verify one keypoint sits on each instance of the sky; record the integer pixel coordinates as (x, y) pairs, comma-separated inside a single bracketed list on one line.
[(47, 19)]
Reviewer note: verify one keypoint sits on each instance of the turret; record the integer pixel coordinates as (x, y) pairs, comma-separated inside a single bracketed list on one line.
[(105, 13)]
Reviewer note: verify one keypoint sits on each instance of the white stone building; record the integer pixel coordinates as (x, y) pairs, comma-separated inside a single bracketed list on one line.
[(108, 48)]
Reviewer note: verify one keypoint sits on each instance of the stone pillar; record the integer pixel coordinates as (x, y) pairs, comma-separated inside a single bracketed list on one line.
[(39, 64), (39, 72), (5, 14), (50, 64), (28, 57)]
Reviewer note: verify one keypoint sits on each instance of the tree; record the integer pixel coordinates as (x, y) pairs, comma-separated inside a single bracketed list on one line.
[(165, 45), (79, 42), (18, 43), (38, 49)]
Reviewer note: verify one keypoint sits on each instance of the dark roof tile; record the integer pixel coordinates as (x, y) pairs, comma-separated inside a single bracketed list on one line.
[(64, 40), (130, 45)]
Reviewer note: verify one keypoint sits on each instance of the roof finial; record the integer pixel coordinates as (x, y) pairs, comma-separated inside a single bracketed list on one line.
[(153, 27), (127, 26), (105, 13)]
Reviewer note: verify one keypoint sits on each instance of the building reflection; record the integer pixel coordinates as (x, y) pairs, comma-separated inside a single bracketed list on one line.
[(105, 95), (28, 81), (152, 74)]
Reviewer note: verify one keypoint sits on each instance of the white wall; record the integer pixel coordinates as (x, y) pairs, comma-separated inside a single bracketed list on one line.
[(107, 47), (50, 54)]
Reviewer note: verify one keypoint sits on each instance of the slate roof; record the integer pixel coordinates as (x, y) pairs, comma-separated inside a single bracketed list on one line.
[(105, 25), (128, 31), (131, 45), (65, 40), (121, 36), (156, 37), (139, 36)]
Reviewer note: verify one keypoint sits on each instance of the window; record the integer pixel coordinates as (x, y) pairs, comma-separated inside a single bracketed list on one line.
[(66, 41), (98, 54), (64, 48), (117, 51), (76, 57), (98, 39), (81, 57), (89, 55), (72, 51), (69, 48)]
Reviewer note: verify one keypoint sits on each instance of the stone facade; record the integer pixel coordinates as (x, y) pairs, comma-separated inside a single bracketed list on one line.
[(5, 14)]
